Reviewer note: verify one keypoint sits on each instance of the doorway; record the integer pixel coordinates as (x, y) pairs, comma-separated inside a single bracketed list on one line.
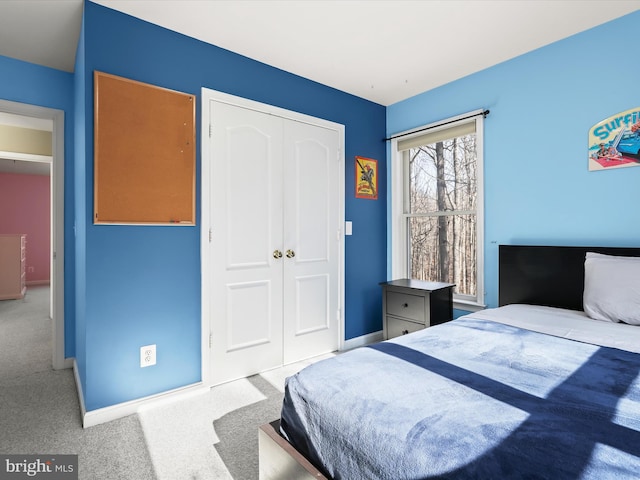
[(272, 247), (57, 220)]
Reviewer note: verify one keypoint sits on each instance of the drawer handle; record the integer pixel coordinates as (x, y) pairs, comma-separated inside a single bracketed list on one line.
[(405, 305), (404, 332)]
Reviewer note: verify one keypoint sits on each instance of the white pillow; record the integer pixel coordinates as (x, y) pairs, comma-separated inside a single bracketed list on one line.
[(612, 288)]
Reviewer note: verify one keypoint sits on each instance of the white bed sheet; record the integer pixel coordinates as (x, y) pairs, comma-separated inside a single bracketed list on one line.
[(570, 324)]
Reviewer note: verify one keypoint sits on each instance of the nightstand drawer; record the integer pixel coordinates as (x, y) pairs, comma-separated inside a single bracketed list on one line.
[(407, 306), (397, 327)]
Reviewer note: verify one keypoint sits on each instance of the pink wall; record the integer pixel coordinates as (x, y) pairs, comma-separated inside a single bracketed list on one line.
[(25, 208)]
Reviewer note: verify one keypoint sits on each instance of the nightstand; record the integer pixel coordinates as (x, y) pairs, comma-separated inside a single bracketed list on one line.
[(411, 305)]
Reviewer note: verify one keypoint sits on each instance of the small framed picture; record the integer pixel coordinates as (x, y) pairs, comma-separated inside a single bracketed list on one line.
[(366, 178)]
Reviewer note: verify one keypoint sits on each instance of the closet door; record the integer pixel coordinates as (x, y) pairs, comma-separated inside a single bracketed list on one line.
[(246, 221), (274, 254), (311, 240)]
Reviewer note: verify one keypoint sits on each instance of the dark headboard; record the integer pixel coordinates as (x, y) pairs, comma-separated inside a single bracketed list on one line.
[(547, 275)]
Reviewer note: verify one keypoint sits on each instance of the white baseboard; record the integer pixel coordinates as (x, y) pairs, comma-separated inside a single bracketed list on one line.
[(120, 410), (106, 414), (76, 375), (363, 340)]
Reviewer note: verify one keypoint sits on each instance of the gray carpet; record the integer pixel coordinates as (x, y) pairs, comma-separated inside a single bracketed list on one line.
[(25, 334), (211, 436), (238, 431), (39, 410)]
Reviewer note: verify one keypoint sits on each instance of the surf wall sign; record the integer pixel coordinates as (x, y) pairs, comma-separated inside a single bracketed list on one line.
[(615, 141)]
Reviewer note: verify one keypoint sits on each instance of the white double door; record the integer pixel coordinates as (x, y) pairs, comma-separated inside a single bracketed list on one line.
[(275, 240)]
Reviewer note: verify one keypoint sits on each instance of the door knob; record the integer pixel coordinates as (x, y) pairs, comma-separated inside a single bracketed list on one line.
[(291, 254), (277, 254)]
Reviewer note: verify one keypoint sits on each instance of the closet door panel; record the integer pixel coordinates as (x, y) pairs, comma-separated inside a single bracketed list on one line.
[(250, 197), (311, 172), (246, 218), (313, 300), (311, 233)]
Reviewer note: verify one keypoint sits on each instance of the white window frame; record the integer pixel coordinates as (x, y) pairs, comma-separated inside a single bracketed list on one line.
[(398, 223)]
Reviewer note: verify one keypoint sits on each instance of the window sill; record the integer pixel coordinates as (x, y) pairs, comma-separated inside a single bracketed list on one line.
[(468, 306)]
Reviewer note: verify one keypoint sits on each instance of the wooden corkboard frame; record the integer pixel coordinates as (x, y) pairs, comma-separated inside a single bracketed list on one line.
[(144, 155)]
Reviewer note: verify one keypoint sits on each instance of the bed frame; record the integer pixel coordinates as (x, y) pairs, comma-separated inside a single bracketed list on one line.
[(538, 275), (278, 460)]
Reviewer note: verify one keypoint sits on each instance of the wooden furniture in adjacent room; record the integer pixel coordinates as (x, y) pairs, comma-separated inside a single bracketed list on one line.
[(410, 305), (12, 266)]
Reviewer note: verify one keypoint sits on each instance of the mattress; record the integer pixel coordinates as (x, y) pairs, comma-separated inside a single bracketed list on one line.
[(514, 392)]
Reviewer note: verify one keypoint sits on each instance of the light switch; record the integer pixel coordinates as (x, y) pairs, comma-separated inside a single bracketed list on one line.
[(347, 228)]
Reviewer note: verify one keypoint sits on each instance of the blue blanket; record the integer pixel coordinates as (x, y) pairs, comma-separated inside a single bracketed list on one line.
[(470, 399)]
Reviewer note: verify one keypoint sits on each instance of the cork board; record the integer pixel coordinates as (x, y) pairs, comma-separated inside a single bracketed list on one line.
[(144, 155)]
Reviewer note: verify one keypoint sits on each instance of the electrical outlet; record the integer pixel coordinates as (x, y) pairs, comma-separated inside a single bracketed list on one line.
[(147, 355)]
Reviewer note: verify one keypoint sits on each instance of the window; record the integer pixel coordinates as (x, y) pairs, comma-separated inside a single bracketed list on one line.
[(437, 233)]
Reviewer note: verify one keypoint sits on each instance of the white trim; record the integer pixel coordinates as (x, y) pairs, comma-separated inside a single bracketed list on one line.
[(439, 125), (205, 238), (397, 224), (57, 240), (57, 219), (26, 157), (208, 96), (363, 340), (468, 306), (120, 410), (76, 376), (480, 293)]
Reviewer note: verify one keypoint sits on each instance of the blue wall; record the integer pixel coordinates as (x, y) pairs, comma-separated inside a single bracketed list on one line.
[(45, 87), (141, 284), (128, 286), (538, 189)]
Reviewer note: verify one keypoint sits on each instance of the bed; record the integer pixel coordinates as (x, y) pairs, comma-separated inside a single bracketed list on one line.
[(545, 386)]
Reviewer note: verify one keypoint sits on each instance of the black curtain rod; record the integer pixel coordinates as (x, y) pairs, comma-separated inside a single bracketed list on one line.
[(484, 113)]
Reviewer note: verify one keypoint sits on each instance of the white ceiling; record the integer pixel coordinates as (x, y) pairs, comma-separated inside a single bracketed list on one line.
[(381, 50), (44, 32)]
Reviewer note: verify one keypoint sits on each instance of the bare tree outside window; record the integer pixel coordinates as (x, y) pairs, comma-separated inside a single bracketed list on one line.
[(442, 197)]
